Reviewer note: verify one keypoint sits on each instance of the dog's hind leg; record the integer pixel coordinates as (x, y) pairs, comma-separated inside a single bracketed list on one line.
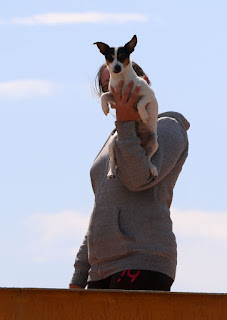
[(151, 147), (113, 165)]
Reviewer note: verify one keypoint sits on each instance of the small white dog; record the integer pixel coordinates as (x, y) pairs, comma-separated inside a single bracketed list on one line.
[(120, 67)]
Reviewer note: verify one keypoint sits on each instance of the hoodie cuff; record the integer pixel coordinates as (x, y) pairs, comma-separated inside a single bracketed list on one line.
[(80, 278), (126, 129)]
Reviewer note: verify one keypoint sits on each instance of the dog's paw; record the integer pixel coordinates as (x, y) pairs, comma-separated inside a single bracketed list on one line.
[(144, 120), (144, 117), (112, 173), (154, 171), (105, 109)]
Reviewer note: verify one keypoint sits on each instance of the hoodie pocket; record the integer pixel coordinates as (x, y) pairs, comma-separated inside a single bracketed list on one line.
[(105, 239)]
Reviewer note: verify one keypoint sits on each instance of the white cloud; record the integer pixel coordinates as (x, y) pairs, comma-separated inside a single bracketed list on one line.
[(201, 239), (194, 223), (60, 225), (86, 17), (56, 235), (20, 89)]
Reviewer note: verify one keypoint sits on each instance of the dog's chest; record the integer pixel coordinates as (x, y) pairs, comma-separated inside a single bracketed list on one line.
[(114, 82)]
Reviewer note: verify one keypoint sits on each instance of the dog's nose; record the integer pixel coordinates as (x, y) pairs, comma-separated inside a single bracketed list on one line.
[(117, 68)]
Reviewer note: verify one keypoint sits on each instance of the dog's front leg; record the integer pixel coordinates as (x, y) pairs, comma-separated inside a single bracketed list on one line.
[(106, 98)]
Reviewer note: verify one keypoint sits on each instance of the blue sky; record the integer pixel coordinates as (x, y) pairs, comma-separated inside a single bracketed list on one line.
[(52, 127)]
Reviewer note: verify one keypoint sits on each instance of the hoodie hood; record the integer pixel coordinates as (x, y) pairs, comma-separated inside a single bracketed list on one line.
[(178, 116)]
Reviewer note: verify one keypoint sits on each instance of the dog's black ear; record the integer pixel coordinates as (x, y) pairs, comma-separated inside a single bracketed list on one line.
[(131, 44), (102, 47)]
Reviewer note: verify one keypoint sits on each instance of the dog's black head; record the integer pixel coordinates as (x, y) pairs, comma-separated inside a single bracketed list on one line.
[(117, 58)]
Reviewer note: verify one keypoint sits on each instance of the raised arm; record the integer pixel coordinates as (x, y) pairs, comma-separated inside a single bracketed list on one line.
[(132, 162), (133, 166)]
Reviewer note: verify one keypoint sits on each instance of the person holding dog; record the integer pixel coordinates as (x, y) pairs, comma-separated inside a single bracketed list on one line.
[(130, 243)]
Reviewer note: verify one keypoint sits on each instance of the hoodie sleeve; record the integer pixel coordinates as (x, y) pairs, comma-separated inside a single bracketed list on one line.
[(133, 165), (81, 266)]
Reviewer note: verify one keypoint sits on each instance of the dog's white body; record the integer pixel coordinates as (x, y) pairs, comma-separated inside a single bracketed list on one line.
[(147, 127), (146, 94), (148, 115)]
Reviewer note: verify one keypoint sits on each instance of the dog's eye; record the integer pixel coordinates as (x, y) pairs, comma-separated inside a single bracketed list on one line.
[(122, 57), (109, 57)]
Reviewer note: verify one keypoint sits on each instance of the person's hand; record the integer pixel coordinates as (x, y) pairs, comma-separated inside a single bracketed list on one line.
[(74, 286), (124, 106)]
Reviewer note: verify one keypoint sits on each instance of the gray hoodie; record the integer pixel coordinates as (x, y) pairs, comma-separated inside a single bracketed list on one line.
[(130, 226)]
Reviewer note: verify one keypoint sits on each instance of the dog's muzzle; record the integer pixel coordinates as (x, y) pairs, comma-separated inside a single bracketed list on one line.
[(117, 68)]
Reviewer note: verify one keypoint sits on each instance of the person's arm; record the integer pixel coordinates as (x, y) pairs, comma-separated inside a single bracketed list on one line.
[(132, 162), (82, 265)]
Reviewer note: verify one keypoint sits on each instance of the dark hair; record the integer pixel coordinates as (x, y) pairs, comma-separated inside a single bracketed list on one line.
[(98, 86)]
